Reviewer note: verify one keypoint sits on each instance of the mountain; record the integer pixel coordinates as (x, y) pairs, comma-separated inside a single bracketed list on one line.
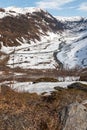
[(74, 49), (33, 38), (35, 91), (18, 25)]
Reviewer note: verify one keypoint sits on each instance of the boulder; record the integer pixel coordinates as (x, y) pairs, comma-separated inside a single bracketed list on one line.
[(78, 86), (74, 117)]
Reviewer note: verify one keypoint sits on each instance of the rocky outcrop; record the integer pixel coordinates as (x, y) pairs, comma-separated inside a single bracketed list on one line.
[(78, 86), (74, 116)]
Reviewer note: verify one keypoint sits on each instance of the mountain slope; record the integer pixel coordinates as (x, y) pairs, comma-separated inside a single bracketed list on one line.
[(28, 24), (32, 33), (74, 50), (33, 38)]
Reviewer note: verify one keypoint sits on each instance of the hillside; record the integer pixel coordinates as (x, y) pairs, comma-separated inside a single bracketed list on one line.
[(38, 40), (74, 49), (24, 111), (43, 70), (18, 26)]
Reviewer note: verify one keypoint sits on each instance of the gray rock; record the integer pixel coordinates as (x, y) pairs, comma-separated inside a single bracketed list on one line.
[(78, 86), (74, 117)]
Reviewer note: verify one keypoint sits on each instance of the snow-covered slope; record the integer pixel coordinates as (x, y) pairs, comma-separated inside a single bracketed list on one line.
[(38, 55), (25, 25), (33, 33), (74, 48), (33, 38), (15, 11)]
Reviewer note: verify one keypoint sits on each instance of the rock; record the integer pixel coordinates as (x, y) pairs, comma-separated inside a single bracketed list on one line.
[(78, 86), (74, 117), (74, 85)]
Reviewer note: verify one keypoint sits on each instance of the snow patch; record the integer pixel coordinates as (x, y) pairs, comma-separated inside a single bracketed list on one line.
[(41, 87)]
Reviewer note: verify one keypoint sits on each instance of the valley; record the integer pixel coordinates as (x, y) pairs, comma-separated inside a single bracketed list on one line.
[(43, 70), (46, 47)]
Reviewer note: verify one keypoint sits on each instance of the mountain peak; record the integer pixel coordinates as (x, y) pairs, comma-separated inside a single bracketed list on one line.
[(22, 10), (15, 11)]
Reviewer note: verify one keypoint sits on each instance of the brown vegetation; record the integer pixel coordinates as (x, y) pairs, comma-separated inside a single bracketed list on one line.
[(46, 79), (27, 26), (24, 111), (34, 75), (83, 74)]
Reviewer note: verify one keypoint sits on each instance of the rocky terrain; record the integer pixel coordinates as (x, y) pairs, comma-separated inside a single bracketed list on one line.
[(43, 70), (64, 109)]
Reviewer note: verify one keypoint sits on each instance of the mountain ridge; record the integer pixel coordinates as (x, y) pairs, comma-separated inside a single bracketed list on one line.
[(36, 32), (31, 24)]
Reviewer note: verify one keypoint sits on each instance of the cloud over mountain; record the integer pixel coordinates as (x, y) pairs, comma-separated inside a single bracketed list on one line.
[(50, 4)]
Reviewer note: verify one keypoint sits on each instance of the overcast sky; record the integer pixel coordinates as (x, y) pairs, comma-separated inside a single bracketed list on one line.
[(55, 7)]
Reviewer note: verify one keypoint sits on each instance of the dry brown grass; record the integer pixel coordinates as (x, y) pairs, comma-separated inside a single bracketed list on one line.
[(24, 111), (46, 79), (4, 61), (34, 75), (83, 74), (12, 28)]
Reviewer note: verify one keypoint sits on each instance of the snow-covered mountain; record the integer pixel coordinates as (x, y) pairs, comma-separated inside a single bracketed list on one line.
[(33, 38), (74, 49), (19, 26)]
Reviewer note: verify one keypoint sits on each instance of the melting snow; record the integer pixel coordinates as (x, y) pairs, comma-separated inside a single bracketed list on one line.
[(40, 87)]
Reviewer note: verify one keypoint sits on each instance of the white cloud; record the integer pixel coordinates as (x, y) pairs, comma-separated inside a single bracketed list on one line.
[(51, 4), (83, 6)]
